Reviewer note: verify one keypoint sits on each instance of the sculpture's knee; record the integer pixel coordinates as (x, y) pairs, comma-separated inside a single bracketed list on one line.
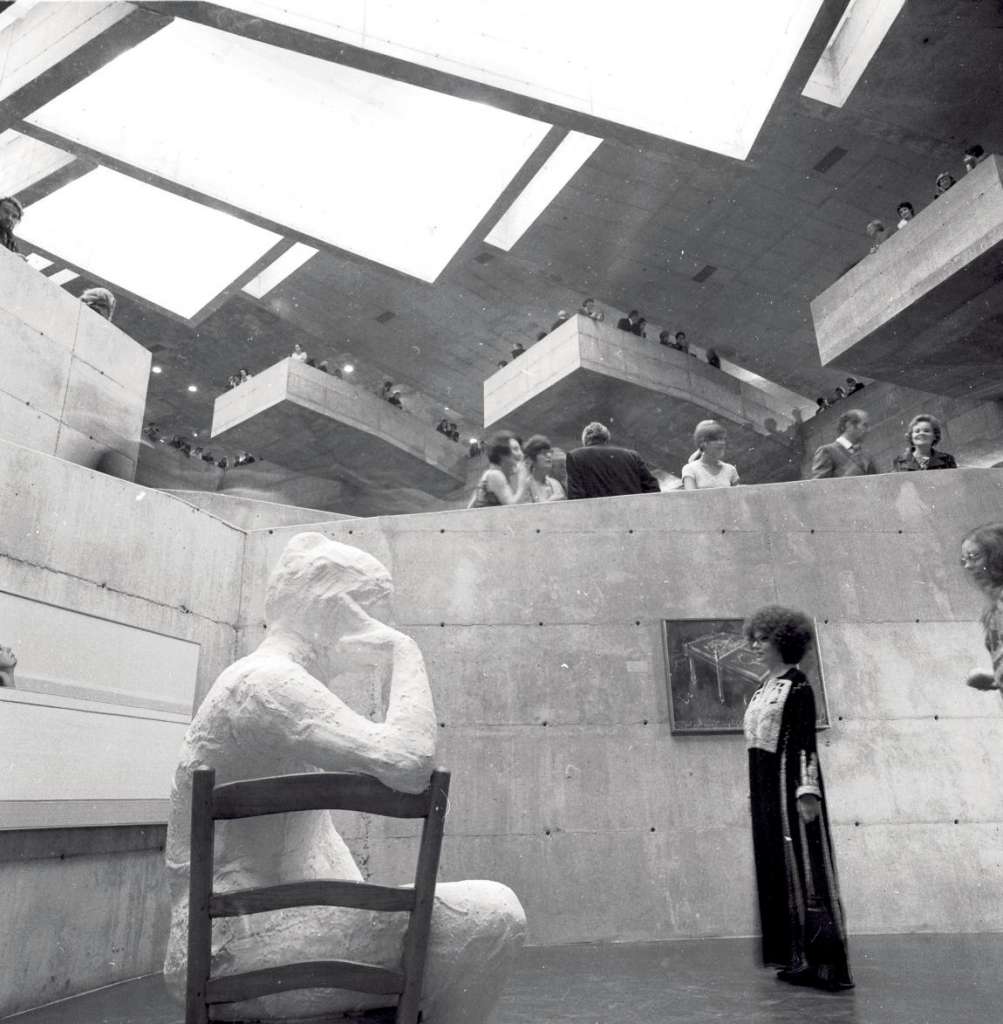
[(497, 915)]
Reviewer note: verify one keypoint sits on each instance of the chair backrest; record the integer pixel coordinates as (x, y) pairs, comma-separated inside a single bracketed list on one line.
[(308, 792)]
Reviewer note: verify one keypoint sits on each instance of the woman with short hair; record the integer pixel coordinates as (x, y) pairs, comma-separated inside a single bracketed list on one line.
[(982, 560), (803, 932), (923, 436), (538, 455), (706, 468), (504, 461)]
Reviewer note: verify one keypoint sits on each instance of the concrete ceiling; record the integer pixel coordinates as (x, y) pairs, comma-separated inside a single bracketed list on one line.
[(632, 228)]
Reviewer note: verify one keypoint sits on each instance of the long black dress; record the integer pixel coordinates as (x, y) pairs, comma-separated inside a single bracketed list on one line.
[(800, 912)]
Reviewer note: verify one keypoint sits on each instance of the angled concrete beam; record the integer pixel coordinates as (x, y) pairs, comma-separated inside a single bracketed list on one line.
[(56, 45)]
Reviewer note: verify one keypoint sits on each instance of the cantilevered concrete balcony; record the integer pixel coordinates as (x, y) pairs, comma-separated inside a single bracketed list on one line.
[(926, 310), (301, 418), (650, 396)]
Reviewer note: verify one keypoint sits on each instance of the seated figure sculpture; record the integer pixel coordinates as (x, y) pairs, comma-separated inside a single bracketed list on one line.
[(275, 712)]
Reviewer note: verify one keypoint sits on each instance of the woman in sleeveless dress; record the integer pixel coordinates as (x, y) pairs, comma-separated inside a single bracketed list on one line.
[(504, 462), (705, 467)]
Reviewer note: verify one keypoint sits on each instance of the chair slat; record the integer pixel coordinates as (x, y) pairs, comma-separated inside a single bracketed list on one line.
[(347, 974), (318, 893), (315, 791)]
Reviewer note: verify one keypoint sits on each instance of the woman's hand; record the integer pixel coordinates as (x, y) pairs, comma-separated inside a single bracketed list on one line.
[(809, 807), (981, 681)]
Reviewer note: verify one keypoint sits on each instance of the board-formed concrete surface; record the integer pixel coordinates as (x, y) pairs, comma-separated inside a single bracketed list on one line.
[(649, 395), (925, 310), (251, 514), (541, 626), (85, 907), (304, 419), (73, 385)]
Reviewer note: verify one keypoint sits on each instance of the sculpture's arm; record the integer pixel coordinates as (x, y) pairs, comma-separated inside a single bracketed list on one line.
[(323, 731)]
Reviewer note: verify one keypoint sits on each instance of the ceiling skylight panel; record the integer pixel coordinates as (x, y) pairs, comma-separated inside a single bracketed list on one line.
[(152, 243), (702, 73), (275, 273), (562, 165), (388, 171)]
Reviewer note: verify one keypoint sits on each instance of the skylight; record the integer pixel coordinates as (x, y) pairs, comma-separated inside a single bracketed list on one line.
[(24, 160), (853, 43), (562, 165), (394, 173), (275, 273), (152, 243), (703, 73)]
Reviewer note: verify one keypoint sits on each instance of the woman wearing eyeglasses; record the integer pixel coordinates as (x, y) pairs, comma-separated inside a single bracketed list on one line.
[(982, 560), (803, 932)]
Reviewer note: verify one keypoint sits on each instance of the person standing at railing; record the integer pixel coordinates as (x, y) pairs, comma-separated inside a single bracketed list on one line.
[(707, 467), (845, 456), (982, 561)]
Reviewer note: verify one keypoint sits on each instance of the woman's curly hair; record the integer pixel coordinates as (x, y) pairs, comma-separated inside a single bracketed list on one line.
[(788, 630)]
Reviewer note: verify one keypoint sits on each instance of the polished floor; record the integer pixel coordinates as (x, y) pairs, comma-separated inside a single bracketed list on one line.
[(901, 979)]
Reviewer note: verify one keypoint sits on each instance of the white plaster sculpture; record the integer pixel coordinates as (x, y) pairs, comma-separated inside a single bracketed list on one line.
[(272, 713)]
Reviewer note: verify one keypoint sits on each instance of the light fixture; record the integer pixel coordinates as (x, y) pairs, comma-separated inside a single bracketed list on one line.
[(193, 387), (156, 369), (348, 368)]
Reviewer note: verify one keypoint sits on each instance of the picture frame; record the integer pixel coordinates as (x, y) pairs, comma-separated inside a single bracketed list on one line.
[(711, 673)]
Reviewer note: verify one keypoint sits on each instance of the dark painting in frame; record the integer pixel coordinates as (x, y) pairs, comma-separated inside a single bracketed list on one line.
[(711, 674)]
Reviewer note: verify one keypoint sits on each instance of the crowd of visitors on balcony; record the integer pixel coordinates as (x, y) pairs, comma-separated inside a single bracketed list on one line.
[(449, 429), (876, 230), (519, 473), (851, 387)]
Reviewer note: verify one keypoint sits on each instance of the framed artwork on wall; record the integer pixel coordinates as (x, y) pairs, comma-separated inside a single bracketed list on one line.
[(711, 673)]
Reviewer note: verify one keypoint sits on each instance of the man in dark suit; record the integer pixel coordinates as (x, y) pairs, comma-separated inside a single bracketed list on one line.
[(600, 470), (628, 322), (845, 456)]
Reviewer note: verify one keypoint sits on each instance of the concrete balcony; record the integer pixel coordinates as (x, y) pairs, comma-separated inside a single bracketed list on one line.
[(303, 419), (926, 310), (73, 385), (650, 396)]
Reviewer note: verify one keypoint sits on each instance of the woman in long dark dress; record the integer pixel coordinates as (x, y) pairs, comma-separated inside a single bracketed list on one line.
[(803, 931)]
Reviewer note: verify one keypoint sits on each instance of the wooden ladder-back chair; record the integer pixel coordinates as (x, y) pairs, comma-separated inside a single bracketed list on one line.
[(310, 792)]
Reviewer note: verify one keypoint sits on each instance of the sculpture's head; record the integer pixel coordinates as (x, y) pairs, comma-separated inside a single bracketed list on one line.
[(312, 576)]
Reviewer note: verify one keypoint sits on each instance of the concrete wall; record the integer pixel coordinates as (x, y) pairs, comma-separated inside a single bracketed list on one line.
[(163, 467), (541, 629), (73, 384), (250, 514), (85, 907), (972, 430)]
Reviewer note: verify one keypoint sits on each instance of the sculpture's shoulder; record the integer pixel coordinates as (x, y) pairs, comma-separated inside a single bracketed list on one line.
[(245, 697)]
